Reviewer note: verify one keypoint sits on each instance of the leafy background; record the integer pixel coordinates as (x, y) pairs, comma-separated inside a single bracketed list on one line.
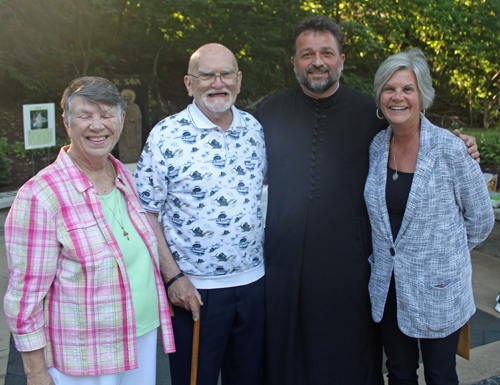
[(46, 43)]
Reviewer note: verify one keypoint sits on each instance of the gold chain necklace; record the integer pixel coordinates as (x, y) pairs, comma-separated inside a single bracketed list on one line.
[(125, 234)]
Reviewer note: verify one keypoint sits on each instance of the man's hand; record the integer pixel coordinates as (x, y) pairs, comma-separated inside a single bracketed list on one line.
[(471, 144), (182, 293)]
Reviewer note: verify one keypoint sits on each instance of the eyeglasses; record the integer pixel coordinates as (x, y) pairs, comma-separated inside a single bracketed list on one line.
[(228, 78)]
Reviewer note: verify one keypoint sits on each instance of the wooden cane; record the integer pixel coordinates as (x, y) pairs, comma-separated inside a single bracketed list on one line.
[(196, 343)]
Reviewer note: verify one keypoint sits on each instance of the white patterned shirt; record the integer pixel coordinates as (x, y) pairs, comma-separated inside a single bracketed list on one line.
[(207, 186)]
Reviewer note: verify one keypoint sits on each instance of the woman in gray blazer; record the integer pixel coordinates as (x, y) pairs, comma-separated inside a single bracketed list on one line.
[(428, 207)]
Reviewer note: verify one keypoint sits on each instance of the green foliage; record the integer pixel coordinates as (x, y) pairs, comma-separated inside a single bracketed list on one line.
[(489, 149), (46, 43), (4, 145), (20, 152), (5, 164), (488, 142), (455, 126)]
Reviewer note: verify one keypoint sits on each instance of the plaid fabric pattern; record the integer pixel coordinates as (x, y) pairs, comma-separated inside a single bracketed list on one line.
[(448, 213), (68, 286)]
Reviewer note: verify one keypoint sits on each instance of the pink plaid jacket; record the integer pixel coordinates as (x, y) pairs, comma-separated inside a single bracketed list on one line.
[(68, 286)]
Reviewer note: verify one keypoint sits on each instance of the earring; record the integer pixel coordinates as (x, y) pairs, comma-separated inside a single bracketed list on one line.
[(378, 116)]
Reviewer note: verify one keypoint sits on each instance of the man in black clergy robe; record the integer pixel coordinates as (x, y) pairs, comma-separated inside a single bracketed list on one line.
[(319, 328)]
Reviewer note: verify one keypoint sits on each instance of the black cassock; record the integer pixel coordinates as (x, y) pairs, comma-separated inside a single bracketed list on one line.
[(319, 328)]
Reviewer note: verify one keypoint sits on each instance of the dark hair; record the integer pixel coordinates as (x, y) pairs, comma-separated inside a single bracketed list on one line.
[(318, 24), (94, 90)]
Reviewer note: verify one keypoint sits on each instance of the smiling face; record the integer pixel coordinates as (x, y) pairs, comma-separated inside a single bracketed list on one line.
[(400, 100), (94, 130), (213, 98), (318, 63)]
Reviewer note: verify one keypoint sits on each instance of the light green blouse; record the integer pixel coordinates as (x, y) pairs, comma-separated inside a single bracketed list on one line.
[(138, 262)]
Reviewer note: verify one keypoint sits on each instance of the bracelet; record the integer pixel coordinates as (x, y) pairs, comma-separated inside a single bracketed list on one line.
[(167, 285)]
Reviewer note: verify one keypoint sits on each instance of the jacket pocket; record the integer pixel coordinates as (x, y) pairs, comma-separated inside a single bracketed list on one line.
[(438, 304)]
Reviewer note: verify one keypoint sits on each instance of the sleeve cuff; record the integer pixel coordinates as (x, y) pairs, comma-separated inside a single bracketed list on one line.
[(30, 342)]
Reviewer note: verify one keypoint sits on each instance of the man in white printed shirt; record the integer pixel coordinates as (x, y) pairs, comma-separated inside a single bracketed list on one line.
[(203, 169)]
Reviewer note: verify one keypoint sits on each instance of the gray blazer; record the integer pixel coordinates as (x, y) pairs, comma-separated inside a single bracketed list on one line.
[(447, 214)]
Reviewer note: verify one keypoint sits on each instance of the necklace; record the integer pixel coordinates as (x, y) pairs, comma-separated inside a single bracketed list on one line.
[(395, 176), (125, 234)]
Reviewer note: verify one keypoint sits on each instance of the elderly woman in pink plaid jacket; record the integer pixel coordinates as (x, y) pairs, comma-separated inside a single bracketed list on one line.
[(85, 295)]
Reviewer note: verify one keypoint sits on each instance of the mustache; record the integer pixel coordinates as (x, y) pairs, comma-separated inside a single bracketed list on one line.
[(219, 91), (317, 68)]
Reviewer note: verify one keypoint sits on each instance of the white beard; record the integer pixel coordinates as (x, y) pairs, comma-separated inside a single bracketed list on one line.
[(218, 105)]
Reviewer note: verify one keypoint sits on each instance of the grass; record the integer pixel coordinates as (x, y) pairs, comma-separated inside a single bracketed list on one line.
[(486, 134)]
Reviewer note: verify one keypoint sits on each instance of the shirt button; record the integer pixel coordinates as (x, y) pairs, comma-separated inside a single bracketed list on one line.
[(393, 253)]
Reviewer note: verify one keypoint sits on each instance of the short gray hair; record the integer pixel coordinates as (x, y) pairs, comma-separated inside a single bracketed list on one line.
[(415, 60), (94, 90)]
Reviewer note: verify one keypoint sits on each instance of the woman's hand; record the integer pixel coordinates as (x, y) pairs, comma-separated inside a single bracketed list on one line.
[(41, 379), (35, 368)]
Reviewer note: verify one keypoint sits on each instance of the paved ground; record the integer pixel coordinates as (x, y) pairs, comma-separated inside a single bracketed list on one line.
[(491, 381), (482, 369)]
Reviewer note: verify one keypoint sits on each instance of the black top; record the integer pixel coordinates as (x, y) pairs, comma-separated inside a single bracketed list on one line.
[(318, 238), (396, 196)]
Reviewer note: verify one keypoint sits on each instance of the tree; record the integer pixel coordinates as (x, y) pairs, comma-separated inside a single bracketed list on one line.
[(47, 42)]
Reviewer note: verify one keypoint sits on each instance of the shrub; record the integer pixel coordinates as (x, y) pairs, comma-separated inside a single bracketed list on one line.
[(489, 149), (19, 151), (5, 164), (488, 142)]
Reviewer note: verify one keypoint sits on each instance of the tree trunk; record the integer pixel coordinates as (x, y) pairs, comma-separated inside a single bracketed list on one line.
[(486, 113)]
